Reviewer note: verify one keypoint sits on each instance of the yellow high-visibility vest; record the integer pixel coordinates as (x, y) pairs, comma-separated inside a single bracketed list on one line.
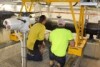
[(59, 39)]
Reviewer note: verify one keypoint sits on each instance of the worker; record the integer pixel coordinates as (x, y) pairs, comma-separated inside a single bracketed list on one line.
[(60, 38), (35, 40)]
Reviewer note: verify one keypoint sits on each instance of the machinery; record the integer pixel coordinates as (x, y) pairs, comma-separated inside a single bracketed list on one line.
[(79, 28), (90, 2), (8, 14), (3, 16), (21, 25), (89, 27)]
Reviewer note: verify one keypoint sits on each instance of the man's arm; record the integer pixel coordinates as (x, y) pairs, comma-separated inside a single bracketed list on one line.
[(41, 40), (71, 39), (50, 38), (41, 37)]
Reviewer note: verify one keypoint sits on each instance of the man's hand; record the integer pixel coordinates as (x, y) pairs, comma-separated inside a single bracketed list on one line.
[(72, 43), (42, 48)]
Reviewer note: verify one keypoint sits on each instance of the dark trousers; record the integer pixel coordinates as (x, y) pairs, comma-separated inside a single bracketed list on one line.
[(35, 54), (60, 60)]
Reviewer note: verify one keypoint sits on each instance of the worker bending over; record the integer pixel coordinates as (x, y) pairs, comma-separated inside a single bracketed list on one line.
[(60, 38), (35, 40)]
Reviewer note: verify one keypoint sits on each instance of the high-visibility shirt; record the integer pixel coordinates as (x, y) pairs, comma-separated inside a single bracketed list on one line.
[(59, 39), (37, 32)]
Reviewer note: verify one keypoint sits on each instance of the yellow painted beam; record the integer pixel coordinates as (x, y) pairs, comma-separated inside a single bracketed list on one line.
[(51, 0), (80, 23), (21, 10), (75, 24), (83, 21), (31, 7)]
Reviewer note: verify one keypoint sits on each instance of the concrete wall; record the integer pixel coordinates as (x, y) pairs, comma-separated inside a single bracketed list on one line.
[(4, 35)]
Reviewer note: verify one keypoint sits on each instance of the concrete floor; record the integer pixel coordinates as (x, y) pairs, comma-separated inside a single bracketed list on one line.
[(14, 60), (85, 62)]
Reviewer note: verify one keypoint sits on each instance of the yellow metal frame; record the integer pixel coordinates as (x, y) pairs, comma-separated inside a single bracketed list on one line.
[(27, 8), (79, 26), (80, 41), (13, 37), (49, 1)]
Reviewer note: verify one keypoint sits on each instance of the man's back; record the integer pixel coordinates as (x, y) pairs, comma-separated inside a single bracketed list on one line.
[(36, 33), (59, 39)]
